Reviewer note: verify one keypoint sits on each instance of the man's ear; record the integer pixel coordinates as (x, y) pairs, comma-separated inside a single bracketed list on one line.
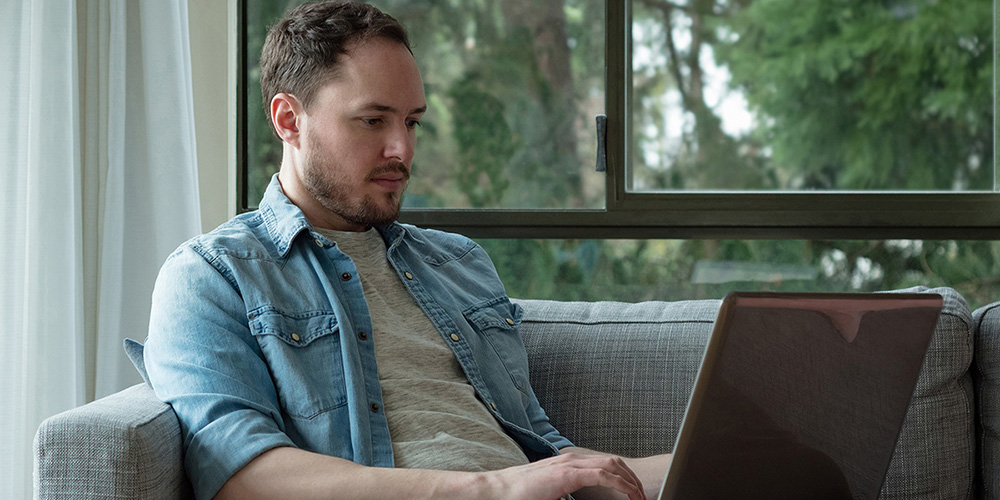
[(286, 113)]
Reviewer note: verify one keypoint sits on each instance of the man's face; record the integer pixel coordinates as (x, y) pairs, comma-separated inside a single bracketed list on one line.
[(358, 136)]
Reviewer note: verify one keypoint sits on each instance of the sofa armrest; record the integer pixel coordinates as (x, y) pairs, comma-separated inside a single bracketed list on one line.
[(127, 445)]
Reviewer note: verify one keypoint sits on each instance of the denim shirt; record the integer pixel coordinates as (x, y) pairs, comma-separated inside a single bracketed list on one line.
[(260, 337)]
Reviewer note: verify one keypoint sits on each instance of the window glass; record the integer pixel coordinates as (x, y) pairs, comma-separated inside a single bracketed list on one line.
[(824, 95), (512, 87), (636, 270)]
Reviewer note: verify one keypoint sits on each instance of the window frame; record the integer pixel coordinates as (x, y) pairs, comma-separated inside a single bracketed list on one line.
[(972, 215)]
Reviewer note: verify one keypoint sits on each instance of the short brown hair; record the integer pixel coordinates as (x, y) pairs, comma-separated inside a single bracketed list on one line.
[(302, 50)]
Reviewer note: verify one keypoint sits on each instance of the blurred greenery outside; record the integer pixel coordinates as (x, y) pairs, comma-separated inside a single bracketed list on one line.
[(762, 95)]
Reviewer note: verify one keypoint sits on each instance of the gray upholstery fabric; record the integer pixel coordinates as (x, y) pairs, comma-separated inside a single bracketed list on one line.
[(616, 377), (612, 376), (986, 375), (126, 446), (593, 367), (935, 453)]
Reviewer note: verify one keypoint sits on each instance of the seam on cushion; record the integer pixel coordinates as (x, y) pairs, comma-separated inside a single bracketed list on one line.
[(970, 408), (980, 454), (962, 318), (618, 322), (985, 310), (154, 417), (970, 436), (133, 434)]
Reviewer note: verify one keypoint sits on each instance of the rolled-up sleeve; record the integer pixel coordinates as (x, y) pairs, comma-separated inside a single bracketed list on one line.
[(540, 425), (202, 359)]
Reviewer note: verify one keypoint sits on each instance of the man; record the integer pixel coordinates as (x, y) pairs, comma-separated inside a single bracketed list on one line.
[(316, 348)]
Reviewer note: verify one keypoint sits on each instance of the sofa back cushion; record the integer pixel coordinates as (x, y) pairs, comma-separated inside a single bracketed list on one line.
[(935, 453), (986, 377), (617, 377)]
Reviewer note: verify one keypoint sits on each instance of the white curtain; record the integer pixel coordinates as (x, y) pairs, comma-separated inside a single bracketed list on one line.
[(98, 186)]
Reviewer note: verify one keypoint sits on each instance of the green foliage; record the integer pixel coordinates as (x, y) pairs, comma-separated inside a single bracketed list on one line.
[(870, 95), (485, 143), (635, 270), (847, 94)]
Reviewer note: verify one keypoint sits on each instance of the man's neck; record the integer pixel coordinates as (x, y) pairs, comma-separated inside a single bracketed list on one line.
[(317, 215)]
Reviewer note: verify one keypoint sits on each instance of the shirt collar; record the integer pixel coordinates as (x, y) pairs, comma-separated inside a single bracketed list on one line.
[(284, 220)]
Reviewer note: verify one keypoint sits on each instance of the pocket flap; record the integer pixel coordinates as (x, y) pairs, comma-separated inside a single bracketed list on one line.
[(497, 313), (297, 330)]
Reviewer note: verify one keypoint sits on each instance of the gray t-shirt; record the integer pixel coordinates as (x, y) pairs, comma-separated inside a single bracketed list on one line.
[(435, 419)]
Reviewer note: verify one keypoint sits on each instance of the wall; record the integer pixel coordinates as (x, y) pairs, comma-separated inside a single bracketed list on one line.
[(213, 63)]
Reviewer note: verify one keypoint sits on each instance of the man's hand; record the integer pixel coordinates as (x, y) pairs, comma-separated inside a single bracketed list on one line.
[(651, 472), (556, 477)]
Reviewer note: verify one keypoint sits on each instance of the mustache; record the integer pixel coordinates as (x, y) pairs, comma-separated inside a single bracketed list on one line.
[(389, 168)]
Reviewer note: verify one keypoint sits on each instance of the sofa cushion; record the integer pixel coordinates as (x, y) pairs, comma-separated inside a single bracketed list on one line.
[(134, 350), (986, 376), (617, 377), (935, 453), (127, 445)]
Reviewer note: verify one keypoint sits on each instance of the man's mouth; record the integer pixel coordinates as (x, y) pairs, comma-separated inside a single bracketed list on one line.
[(390, 183), (390, 177)]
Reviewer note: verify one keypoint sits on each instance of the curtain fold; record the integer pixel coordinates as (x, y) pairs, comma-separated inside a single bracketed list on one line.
[(98, 186), (148, 211)]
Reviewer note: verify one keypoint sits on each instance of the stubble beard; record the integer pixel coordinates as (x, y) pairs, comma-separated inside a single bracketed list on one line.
[(321, 181)]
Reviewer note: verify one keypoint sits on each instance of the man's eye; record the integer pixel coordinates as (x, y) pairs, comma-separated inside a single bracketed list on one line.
[(413, 123), (372, 121)]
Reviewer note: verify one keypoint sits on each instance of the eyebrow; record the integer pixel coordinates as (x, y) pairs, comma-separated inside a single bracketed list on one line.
[(389, 109)]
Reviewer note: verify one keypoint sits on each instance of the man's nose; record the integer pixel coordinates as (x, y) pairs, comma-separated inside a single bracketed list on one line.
[(400, 143)]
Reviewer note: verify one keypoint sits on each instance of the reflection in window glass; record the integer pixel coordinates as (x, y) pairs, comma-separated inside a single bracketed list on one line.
[(636, 270), (792, 95), (512, 89)]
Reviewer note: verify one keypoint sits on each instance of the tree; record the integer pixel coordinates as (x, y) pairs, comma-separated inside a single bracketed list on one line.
[(847, 94), (869, 95)]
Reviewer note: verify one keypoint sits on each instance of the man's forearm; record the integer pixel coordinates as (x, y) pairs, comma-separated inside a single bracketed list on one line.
[(286, 472), (293, 473)]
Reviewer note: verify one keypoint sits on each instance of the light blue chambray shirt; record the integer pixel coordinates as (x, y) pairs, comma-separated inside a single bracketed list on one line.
[(260, 337)]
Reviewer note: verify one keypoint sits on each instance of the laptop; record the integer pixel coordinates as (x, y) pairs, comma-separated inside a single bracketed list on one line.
[(801, 396)]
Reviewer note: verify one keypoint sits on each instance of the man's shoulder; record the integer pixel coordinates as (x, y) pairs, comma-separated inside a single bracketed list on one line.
[(434, 235), (434, 243), (242, 237)]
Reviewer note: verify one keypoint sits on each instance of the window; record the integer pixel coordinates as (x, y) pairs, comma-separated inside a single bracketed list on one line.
[(492, 119), (782, 95), (799, 135)]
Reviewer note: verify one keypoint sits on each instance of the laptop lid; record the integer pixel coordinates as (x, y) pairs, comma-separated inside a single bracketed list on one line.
[(801, 395)]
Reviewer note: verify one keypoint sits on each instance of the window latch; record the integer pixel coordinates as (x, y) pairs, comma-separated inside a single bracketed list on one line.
[(602, 143)]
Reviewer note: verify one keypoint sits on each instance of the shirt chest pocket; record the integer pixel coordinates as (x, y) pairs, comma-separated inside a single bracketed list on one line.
[(496, 322), (304, 355)]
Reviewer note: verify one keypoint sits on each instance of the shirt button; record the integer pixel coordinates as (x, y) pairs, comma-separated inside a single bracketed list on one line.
[(494, 406), (510, 322), (374, 407), (296, 337), (318, 243), (454, 337), (362, 335), (408, 275), (346, 276)]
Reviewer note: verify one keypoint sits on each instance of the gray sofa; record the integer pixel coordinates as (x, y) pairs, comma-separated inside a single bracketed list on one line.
[(613, 377)]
